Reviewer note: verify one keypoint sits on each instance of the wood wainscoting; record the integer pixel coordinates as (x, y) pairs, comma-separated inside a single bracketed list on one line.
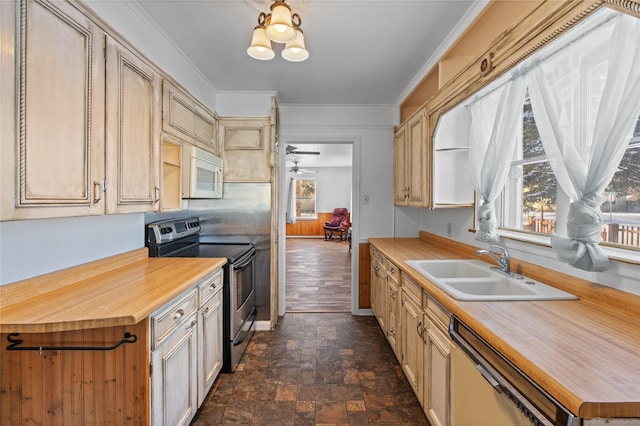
[(364, 274), (76, 387), (310, 228)]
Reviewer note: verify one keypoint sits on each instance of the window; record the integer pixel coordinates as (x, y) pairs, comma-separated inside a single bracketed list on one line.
[(532, 198), (306, 199)]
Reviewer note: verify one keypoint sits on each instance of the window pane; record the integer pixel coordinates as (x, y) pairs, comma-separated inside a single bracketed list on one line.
[(306, 198), (539, 193), (531, 143), (621, 211)]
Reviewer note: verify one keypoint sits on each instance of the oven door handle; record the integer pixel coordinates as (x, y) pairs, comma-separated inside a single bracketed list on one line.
[(245, 261), (251, 317)]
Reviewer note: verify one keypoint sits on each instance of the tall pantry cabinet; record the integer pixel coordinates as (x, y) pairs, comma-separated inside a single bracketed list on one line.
[(80, 116)]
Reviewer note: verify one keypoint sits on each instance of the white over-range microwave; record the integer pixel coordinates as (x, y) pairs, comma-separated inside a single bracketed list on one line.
[(201, 173)]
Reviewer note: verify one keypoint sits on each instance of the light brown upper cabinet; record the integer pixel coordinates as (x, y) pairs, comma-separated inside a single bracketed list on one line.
[(52, 128), (245, 148), (183, 116), (80, 117), (133, 132), (411, 162)]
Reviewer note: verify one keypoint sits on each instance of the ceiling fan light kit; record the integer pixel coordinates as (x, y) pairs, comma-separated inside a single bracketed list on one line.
[(280, 26)]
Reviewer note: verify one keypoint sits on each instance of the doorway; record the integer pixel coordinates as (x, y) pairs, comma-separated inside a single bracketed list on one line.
[(317, 271)]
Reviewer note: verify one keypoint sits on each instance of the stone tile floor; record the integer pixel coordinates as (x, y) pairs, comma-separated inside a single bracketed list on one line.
[(315, 369)]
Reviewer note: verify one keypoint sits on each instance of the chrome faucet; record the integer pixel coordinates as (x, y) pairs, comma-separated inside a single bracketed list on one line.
[(503, 261)]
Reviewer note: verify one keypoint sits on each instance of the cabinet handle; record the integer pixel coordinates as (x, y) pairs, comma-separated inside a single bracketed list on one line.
[(157, 188), (194, 322), (212, 286), (206, 311), (392, 331), (97, 191), (179, 314), (393, 295), (377, 270), (419, 328)]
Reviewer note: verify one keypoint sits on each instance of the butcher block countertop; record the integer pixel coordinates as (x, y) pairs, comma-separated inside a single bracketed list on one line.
[(115, 291), (585, 353)]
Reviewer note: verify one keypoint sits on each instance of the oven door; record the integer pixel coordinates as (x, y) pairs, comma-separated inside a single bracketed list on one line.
[(242, 292)]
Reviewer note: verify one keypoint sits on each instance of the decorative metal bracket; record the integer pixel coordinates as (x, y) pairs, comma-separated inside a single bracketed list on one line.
[(15, 345)]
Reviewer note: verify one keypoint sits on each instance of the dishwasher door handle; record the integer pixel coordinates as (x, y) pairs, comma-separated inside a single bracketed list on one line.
[(495, 383)]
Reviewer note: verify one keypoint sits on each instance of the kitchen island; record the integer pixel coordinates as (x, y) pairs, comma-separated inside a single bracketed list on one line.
[(585, 353), (77, 342)]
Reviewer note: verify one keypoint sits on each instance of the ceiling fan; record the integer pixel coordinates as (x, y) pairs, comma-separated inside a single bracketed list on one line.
[(299, 170), (294, 150)]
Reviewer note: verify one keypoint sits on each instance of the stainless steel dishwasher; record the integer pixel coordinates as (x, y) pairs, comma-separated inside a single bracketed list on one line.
[(487, 389)]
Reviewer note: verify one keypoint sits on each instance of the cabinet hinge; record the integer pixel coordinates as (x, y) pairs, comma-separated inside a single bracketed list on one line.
[(150, 369), (104, 185)]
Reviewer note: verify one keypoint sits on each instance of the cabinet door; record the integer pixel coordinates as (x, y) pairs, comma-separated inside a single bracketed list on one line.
[(133, 132), (399, 167), (174, 377), (184, 117), (416, 159), (437, 361), (245, 149), (412, 327), (380, 283), (393, 334), (209, 344), (52, 103)]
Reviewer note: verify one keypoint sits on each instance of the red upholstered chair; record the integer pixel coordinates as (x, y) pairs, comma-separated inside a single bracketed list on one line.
[(339, 223)]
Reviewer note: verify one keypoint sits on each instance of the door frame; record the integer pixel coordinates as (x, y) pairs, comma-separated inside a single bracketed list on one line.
[(355, 214)]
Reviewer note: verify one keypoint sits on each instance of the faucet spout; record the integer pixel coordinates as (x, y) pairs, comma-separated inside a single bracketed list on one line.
[(503, 260)]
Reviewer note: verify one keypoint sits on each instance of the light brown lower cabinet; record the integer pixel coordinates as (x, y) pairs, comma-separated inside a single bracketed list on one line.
[(160, 378)]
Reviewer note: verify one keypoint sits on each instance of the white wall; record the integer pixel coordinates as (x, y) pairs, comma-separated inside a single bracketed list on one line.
[(333, 186), (34, 247), (370, 129)]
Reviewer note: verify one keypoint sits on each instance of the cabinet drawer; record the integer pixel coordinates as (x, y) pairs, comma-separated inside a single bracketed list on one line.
[(437, 311), (383, 262), (209, 287), (412, 289), (172, 315), (393, 273)]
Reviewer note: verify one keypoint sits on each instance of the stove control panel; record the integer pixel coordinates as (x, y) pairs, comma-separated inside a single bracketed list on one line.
[(169, 230)]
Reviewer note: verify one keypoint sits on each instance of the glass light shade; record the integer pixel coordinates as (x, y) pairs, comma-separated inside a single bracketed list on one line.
[(280, 28), (260, 45), (295, 51)]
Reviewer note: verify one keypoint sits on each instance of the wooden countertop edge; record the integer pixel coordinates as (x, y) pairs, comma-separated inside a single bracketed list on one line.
[(614, 301), (79, 278)]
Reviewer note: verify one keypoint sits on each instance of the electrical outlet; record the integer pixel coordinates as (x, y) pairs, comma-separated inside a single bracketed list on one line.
[(449, 228)]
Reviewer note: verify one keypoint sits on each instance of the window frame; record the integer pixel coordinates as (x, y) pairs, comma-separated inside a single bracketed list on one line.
[(315, 198)]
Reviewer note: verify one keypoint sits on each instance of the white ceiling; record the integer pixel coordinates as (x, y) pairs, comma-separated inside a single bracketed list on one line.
[(331, 155), (361, 51)]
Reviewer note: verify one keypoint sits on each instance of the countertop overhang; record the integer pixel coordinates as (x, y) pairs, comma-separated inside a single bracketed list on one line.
[(119, 290), (585, 353)]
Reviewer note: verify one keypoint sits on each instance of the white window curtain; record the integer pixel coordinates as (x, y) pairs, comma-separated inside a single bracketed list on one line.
[(291, 202), (567, 93), (496, 122)]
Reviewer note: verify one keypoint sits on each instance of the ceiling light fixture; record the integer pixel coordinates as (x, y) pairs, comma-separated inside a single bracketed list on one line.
[(280, 26)]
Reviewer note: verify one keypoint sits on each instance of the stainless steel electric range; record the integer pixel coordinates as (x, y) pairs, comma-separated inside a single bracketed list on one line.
[(181, 238)]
